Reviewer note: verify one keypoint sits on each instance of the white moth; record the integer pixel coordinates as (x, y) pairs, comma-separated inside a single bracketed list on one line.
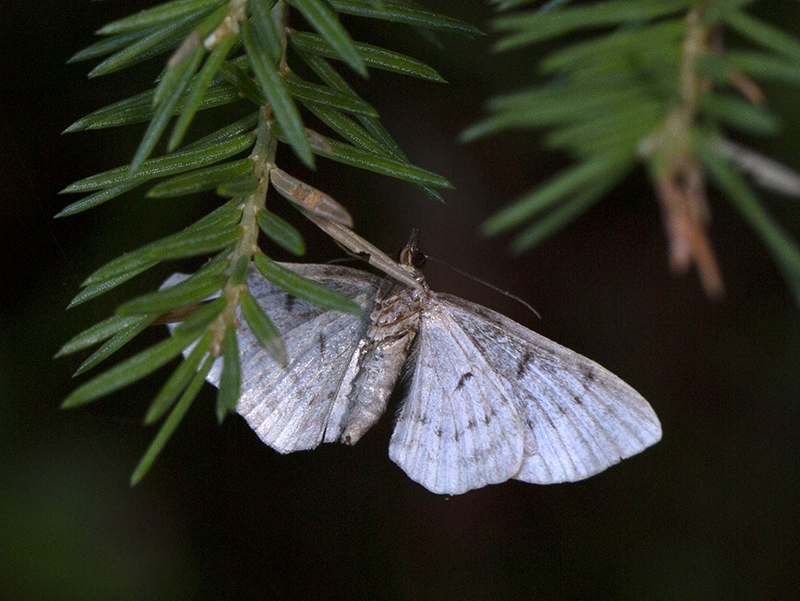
[(487, 399)]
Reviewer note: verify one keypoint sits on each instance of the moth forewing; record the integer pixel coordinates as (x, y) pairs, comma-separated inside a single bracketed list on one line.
[(580, 418)]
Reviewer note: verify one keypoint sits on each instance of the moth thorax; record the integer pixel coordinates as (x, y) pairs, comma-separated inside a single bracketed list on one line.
[(400, 309)]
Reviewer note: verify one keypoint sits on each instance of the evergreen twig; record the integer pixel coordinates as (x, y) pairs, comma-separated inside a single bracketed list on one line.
[(659, 87), (225, 52)]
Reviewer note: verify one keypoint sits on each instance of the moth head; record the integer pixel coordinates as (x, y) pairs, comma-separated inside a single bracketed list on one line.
[(411, 255)]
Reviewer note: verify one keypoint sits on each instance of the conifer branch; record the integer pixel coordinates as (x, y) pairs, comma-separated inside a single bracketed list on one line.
[(659, 87), (222, 52)]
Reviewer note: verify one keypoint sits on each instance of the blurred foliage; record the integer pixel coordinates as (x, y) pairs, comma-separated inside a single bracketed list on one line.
[(650, 81)]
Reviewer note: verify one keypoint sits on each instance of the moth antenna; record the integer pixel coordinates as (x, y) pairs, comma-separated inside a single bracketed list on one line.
[(485, 283)]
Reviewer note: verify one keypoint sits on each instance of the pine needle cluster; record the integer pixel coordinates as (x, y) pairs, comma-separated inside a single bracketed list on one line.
[(220, 53), (650, 82)]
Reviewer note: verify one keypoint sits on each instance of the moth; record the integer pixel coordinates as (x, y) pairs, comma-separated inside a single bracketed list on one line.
[(487, 399)]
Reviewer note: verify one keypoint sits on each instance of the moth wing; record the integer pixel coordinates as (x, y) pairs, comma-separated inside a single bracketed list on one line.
[(292, 408), (458, 428), (579, 417)]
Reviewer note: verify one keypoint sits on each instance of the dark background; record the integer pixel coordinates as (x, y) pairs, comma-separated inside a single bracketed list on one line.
[(708, 513)]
